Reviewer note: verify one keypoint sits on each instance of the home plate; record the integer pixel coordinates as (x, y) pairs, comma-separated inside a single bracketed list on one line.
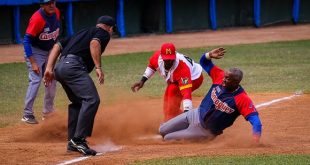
[(150, 137)]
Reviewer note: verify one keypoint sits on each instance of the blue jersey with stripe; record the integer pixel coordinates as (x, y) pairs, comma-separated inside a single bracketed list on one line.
[(220, 108)]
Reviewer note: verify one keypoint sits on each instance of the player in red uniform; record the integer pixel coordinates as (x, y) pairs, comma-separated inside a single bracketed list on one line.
[(225, 101), (182, 75)]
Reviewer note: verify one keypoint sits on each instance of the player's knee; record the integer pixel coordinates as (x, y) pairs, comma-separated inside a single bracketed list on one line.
[(95, 100), (169, 137), (162, 130)]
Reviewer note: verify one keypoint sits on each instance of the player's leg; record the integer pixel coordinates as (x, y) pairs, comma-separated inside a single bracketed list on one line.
[(177, 123), (194, 131), (33, 87), (172, 102)]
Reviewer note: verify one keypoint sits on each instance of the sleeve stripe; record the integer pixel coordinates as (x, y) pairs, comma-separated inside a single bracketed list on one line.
[(97, 40), (59, 44), (186, 86)]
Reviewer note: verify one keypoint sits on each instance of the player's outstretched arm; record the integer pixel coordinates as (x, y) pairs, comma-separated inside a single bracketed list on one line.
[(138, 85), (256, 127), (217, 53)]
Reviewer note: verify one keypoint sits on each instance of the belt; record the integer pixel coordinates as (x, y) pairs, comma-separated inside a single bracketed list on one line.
[(73, 57)]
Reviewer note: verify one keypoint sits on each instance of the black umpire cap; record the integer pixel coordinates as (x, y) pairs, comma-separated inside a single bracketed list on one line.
[(108, 20)]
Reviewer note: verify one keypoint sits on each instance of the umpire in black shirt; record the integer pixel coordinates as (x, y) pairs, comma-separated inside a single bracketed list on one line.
[(79, 55)]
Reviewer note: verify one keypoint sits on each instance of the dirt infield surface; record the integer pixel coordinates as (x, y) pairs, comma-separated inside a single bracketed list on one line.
[(286, 130), (286, 125)]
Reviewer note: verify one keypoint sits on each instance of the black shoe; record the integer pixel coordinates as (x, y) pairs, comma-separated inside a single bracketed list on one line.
[(30, 119), (82, 147), (70, 147)]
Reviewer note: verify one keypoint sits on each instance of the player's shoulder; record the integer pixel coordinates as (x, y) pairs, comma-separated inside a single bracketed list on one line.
[(155, 55), (242, 95), (36, 16), (57, 11), (97, 31), (181, 68), (181, 64)]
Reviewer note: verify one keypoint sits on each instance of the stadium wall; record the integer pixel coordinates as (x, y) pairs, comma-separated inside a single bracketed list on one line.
[(135, 17)]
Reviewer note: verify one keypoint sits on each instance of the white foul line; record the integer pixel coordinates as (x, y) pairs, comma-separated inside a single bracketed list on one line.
[(74, 160), (77, 159), (258, 106), (276, 100)]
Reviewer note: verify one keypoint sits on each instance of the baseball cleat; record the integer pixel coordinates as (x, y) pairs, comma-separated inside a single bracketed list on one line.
[(70, 147), (30, 119), (81, 146)]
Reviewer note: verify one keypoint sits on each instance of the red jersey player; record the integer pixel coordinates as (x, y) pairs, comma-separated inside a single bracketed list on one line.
[(182, 75)]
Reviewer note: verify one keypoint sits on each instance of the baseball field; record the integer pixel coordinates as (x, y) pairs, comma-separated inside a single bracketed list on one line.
[(276, 65)]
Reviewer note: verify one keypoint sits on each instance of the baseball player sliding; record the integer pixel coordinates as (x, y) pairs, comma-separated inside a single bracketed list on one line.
[(225, 101), (182, 75)]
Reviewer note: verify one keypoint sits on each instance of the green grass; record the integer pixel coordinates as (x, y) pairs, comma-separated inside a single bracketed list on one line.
[(268, 67), (231, 160)]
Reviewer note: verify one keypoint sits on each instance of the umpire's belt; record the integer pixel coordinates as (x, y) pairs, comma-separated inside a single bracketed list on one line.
[(80, 59)]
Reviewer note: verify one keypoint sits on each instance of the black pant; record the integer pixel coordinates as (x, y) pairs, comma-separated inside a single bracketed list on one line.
[(71, 72)]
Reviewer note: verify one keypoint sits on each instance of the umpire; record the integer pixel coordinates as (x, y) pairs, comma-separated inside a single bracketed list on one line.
[(79, 55)]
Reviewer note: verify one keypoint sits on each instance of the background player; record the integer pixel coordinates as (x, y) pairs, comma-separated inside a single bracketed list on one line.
[(41, 34), (225, 101), (182, 75)]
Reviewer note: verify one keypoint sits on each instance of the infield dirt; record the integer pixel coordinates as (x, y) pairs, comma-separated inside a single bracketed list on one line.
[(286, 127)]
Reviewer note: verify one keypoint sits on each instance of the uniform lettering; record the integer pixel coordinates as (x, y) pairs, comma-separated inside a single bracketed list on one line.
[(219, 105), (48, 36), (188, 59), (168, 51)]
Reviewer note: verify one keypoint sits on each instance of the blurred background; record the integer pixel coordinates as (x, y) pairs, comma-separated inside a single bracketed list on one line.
[(141, 17)]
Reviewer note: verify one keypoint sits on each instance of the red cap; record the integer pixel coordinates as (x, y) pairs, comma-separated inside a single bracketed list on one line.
[(168, 51)]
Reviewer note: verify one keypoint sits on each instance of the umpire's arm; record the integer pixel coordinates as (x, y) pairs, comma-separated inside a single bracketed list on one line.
[(95, 51)]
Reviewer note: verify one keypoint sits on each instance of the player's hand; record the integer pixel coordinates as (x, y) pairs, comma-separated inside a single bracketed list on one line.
[(100, 76), (256, 138), (137, 86), (48, 77), (35, 68), (217, 53)]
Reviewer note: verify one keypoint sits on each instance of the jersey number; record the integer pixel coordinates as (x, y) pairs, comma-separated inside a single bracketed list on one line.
[(189, 59)]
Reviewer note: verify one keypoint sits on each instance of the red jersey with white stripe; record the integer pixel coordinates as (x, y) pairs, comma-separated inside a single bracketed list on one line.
[(182, 64), (182, 72)]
